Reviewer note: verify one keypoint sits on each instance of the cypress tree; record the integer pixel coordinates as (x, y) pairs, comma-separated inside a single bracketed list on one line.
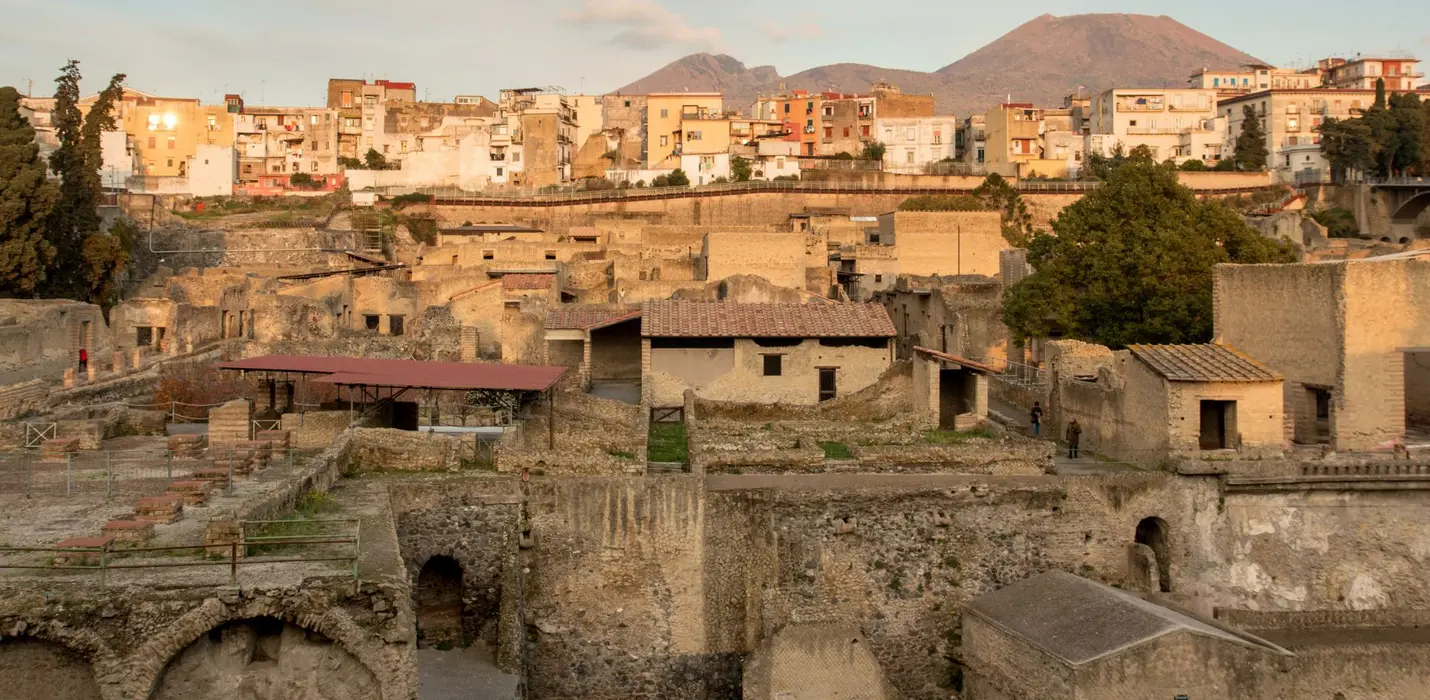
[(26, 199)]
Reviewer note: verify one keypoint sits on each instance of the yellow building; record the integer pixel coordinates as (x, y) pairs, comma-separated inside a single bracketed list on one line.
[(164, 132), (665, 117)]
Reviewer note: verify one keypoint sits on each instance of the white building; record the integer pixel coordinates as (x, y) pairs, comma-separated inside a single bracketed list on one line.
[(1174, 124), (912, 143), (212, 170)]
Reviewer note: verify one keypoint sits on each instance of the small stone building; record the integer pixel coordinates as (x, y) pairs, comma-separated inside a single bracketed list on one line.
[(1151, 402), (761, 353), (950, 392), (1057, 635), (599, 342)]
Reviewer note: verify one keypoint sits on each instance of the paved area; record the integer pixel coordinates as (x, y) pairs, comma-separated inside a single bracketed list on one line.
[(462, 674), (625, 392)]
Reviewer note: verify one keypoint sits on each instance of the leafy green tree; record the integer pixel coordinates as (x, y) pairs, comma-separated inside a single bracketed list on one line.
[(935, 202), (873, 150), (1251, 152), (26, 198), (1411, 142), (350, 163), (740, 169), (1347, 145), (677, 178), (303, 180), (97, 122), (1193, 165), (1131, 262), (75, 215), (375, 161), (996, 193)]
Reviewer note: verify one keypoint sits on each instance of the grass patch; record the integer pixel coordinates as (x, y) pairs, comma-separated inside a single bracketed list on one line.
[(954, 437), (667, 443), (836, 450)]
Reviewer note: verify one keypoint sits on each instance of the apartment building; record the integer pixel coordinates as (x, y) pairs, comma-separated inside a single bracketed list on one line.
[(1022, 139), (666, 130), (972, 141), (538, 141), (1253, 77), (831, 123), (164, 133), (1174, 124), (283, 141), (1362, 73), (362, 107), (912, 143), (1292, 121)]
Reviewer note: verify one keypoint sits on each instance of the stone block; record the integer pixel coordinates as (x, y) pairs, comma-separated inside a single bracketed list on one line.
[(69, 378), (88, 434), (159, 509), (118, 362), (57, 450), (129, 532), (965, 422), (193, 491), (187, 446), (84, 551), (279, 439), (218, 475), (219, 537)]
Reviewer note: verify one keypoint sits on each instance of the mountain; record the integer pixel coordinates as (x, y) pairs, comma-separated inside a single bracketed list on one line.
[(1039, 62)]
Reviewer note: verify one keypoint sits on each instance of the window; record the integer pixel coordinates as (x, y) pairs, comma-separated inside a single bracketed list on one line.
[(1132, 122), (878, 279), (827, 384), (628, 103), (314, 166), (937, 137), (151, 142), (367, 123), (828, 111), (488, 255), (808, 107), (370, 321), (295, 166), (499, 172), (909, 156), (550, 255), (172, 143), (829, 132), (394, 325), (864, 130), (774, 365), (693, 136), (888, 135), (664, 113), (385, 147), (910, 134), (171, 162), (248, 168), (369, 100), (786, 108), (347, 100), (313, 119), (846, 132), (664, 140)]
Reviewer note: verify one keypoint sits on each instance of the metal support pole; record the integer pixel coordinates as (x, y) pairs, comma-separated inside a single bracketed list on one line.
[(69, 473), (104, 565), (108, 474), (230, 471), (233, 562), (551, 418), (29, 477), (171, 465)]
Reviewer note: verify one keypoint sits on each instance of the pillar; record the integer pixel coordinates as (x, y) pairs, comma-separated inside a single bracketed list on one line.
[(69, 378), (136, 357), (118, 363)]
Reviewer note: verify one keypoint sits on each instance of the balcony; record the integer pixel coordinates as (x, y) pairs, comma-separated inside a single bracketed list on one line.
[(498, 157)]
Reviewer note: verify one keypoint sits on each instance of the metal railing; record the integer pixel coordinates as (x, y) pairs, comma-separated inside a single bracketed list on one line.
[(247, 549), (111, 473), (1030, 376), (177, 411)]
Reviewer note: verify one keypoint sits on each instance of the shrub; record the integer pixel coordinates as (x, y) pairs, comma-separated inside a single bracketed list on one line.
[(1339, 222), (935, 202), (677, 178), (1193, 165), (303, 180), (403, 200)]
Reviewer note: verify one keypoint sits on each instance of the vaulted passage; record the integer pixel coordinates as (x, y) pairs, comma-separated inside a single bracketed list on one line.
[(438, 600), (1153, 533), (264, 659), (31, 669)]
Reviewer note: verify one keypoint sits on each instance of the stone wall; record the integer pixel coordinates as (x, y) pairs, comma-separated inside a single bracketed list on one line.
[(385, 449), (673, 370), (229, 423), (315, 429), (26, 397)]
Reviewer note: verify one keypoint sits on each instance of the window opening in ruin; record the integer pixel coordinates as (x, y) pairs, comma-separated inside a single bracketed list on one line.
[(1218, 424), (159, 336), (86, 334), (773, 365), (827, 384), (394, 324), (438, 599), (370, 321), (1417, 395), (550, 255), (488, 255), (1153, 533), (222, 324), (454, 261), (143, 336)]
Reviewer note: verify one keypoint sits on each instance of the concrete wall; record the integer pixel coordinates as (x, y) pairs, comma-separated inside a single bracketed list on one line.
[(945, 243), (738, 374)]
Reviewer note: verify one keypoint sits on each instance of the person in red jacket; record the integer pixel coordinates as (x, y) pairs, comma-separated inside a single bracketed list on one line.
[(83, 359)]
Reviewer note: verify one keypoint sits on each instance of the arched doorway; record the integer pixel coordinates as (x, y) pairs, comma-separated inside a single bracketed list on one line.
[(264, 658), (1153, 533), (34, 669), (438, 599)]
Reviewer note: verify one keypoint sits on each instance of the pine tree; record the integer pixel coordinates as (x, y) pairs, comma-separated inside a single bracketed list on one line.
[(26, 198), (1251, 150)]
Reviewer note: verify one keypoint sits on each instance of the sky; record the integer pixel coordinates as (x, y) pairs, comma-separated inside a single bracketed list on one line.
[(281, 52)]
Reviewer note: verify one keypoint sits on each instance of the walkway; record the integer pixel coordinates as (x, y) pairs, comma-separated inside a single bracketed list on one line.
[(462, 674)]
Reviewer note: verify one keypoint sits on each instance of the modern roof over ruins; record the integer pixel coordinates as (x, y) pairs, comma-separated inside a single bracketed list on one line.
[(358, 371), (589, 316), (1202, 363), (1079, 621), (707, 319), (955, 359)]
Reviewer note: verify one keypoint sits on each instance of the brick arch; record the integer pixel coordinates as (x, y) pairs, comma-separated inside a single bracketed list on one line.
[(84, 643), (151, 659)]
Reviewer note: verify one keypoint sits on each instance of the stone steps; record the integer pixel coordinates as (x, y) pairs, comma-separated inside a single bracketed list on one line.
[(129, 532), (194, 491), (160, 510)]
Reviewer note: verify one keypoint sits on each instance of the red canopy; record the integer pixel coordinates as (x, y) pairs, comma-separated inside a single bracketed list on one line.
[(413, 374)]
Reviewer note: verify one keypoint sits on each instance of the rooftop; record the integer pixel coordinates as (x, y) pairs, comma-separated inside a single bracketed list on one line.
[(1202, 363), (464, 376), (707, 319), (1079, 621), (525, 281), (589, 316)]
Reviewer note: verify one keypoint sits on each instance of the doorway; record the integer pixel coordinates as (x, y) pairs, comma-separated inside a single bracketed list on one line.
[(143, 336), (1417, 397), (1218, 425), (439, 602), (954, 389), (1153, 533), (827, 384)]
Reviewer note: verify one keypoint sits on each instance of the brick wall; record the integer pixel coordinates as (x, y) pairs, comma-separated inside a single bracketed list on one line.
[(18, 399), (229, 423)]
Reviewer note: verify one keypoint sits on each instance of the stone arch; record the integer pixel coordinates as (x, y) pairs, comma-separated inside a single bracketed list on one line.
[(151, 660), (437, 598), (264, 658), (40, 669), (1155, 535), (1411, 210)]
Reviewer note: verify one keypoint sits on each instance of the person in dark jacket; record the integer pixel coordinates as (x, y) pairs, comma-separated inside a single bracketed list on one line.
[(1074, 436), (1037, 418)]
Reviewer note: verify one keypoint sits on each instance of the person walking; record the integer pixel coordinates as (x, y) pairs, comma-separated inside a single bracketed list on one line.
[(1074, 436), (1037, 418), (83, 359)]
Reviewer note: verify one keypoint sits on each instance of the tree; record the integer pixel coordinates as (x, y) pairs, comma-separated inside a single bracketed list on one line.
[(677, 178), (97, 122), (350, 163), (1347, 146), (75, 214), (26, 199), (375, 160), (873, 150), (996, 193), (1411, 141), (1251, 150), (934, 202), (1131, 262), (740, 169), (1193, 165), (303, 180)]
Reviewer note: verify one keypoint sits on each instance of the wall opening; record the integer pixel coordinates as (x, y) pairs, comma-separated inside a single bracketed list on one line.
[(953, 393), (143, 336), (1153, 533), (264, 658), (34, 669), (1218, 425), (1417, 396), (438, 599), (828, 384)]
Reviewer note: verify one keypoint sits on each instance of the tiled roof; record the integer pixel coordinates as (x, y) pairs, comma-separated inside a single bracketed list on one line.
[(1079, 621), (521, 281), (587, 316), (714, 319), (1202, 363)]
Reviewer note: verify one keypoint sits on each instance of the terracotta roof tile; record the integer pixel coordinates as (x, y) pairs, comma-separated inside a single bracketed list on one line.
[(1202, 363), (587, 316), (524, 281), (706, 319)]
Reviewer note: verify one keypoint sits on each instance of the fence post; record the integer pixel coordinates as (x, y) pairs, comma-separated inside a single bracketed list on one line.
[(104, 565), (108, 474), (233, 562), (29, 469), (230, 471), (69, 473), (171, 465)]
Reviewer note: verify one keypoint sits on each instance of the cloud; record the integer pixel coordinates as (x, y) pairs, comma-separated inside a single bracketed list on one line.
[(644, 25), (780, 33)]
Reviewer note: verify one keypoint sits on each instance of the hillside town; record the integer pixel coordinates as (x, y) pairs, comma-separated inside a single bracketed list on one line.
[(665, 395)]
